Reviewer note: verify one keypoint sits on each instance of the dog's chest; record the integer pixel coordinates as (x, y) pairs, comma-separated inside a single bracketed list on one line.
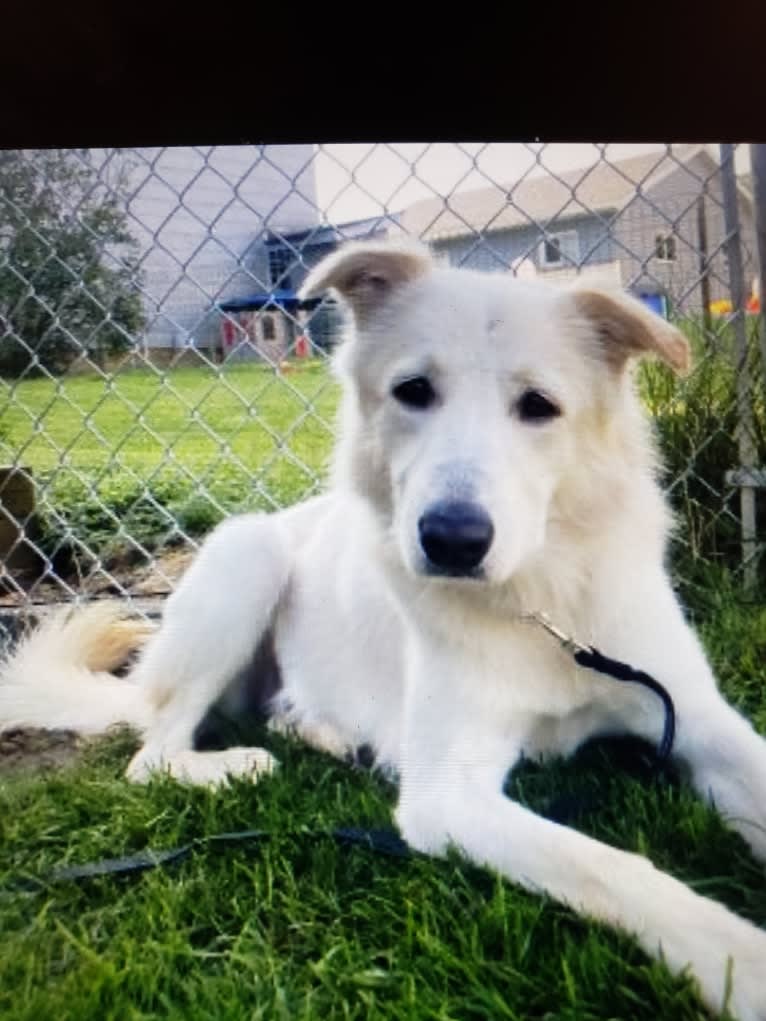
[(531, 673), (531, 687)]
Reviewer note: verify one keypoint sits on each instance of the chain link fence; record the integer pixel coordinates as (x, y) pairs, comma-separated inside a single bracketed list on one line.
[(158, 371)]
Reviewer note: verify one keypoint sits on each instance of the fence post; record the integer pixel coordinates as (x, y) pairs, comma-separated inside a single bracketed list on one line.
[(703, 264), (758, 166), (747, 452)]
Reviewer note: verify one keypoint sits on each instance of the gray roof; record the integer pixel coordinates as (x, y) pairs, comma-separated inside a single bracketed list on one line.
[(334, 233), (604, 187)]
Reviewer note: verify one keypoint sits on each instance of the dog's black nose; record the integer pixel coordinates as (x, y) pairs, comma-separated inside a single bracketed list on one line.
[(455, 536)]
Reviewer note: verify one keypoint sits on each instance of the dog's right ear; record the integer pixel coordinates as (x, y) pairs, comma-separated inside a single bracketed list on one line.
[(365, 274), (626, 329)]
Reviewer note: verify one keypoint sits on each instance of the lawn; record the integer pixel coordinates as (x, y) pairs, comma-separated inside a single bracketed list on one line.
[(139, 417), (145, 454), (300, 927)]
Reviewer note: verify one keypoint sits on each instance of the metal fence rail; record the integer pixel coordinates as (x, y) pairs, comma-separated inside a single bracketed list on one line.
[(157, 370)]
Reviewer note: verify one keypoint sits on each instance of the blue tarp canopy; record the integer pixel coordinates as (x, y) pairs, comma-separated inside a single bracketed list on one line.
[(279, 298), (319, 236)]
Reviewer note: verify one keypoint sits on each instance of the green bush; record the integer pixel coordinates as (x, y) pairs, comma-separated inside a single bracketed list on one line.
[(113, 518), (120, 517), (697, 425)]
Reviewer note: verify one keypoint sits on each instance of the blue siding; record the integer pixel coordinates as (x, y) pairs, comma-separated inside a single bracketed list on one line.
[(495, 251)]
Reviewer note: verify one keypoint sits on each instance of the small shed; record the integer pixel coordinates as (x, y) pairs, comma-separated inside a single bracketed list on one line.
[(264, 325)]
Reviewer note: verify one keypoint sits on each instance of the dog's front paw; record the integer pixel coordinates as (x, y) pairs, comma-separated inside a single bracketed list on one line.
[(725, 954), (208, 769)]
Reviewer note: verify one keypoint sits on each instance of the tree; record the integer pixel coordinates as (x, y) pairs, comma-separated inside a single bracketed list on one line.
[(69, 282)]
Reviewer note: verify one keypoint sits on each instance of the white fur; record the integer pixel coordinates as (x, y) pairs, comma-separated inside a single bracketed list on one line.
[(440, 675), (60, 675)]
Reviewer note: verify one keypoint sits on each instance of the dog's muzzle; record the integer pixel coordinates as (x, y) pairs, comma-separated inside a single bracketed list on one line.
[(455, 537)]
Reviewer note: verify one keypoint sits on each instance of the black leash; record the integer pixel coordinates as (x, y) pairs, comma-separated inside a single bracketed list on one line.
[(595, 660), (386, 842), (590, 658)]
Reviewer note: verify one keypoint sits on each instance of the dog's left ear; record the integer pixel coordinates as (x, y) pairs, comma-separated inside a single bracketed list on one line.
[(365, 274), (627, 329)]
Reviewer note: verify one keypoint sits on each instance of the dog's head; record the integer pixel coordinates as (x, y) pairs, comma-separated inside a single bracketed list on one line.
[(479, 408)]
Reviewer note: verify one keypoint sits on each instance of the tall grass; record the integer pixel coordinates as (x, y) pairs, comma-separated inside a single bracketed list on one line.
[(697, 423)]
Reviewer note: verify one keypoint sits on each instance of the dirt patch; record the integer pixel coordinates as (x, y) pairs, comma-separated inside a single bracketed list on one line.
[(161, 576), (32, 750), (154, 580)]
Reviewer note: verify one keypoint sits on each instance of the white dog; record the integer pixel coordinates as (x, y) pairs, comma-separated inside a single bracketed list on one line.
[(493, 462)]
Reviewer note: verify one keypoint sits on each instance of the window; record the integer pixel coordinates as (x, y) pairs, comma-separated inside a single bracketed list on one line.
[(665, 247), (267, 325), (562, 249), (441, 256), (280, 261)]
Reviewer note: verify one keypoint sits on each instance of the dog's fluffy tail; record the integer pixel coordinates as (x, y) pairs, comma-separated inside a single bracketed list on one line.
[(59, 677)]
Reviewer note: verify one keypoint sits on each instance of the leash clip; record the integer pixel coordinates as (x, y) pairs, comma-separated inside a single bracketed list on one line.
[(566, 641)]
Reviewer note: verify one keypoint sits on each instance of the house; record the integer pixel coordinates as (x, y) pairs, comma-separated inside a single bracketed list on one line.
[(269, 322), (654, 223), (200, 216)]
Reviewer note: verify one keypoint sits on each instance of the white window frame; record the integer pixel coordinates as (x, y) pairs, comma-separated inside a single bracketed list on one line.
[(662, 239), (569, 249)]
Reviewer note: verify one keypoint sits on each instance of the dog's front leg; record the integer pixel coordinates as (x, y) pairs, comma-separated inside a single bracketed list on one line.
[(455, 756), (728, 765), (211, 627)]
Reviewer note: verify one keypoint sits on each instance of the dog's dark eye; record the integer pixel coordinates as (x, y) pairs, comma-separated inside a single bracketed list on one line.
[(415, 393), (536, 407)]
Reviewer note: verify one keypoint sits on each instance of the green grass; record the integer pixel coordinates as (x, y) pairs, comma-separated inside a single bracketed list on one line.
[(300, 927), (237, 404), (144, 454)]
